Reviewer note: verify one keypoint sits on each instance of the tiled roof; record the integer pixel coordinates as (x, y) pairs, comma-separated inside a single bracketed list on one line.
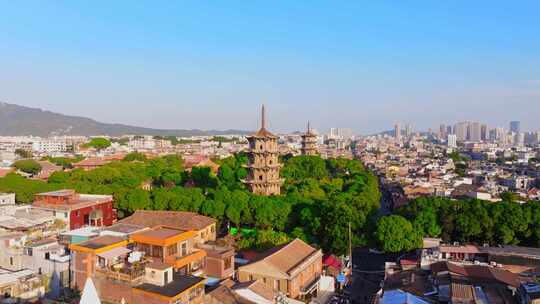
[(176, 219), (462, 291), (290, 255), (92, 162), (225, 295), (284, 259), (259, 288), (478, 272), (459, 249)]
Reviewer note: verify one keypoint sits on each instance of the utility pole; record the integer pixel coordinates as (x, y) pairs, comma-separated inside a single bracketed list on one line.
[(350, 246)]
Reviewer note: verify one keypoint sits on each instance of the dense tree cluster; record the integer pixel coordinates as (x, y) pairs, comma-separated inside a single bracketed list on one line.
[(98, 143), (22, 153), (475, 221), (28, 166), (23, 188), (396, 234), (64, 162), (135, 156), (321, 197)]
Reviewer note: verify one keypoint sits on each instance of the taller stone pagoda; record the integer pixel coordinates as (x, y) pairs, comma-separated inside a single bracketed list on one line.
[(263, 162), (309, 142)]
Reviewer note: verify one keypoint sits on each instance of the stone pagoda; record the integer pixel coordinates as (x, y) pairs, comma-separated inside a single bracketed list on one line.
[(309, 142), (263, 162)]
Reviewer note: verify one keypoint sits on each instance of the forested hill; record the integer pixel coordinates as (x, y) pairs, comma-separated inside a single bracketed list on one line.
[(17, 120)]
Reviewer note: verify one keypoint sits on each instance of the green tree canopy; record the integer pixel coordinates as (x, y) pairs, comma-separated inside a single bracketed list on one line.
[(135, 156), (29, 166), (23, 153), (396, 234), (98, 143)]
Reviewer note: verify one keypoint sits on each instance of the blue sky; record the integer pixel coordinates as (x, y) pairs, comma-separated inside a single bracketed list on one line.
[(197, 64)]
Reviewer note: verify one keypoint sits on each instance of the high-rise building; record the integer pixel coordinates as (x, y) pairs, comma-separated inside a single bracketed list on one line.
[(500, 135), (449, 130), (408, 130), (519, 139), (460, 129), (397, 131), (263, 162), (452, 141), (333, 134), (484, 133), (309, 142), (340, 133), (515, 127), (475, 132), (345, 133), (442, 131)]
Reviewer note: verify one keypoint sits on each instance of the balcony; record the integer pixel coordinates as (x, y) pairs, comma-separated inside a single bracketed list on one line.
[(181, 261), (120, 272)]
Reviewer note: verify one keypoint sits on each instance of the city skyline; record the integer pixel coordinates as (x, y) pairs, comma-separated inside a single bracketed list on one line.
[(196, 65)]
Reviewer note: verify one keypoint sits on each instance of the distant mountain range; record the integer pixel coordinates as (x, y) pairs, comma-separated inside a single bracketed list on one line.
[(18, 120)]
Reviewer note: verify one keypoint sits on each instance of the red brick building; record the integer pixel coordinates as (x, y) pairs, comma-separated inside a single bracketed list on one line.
[(78, 210)]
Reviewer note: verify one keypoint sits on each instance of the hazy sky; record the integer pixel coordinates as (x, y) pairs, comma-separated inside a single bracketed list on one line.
[(198, 64)]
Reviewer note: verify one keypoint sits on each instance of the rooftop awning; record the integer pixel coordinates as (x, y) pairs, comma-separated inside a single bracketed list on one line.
[(114, 253)]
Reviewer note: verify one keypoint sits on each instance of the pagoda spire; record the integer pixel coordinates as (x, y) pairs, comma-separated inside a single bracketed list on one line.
[(263, 117)]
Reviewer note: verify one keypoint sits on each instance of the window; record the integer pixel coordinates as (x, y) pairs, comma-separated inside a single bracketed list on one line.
[(228, 263), (102, 262), (166, 277), (184, 248), (47, 256), (172, 250), (157, 251), (11, 261), (144, 248)]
